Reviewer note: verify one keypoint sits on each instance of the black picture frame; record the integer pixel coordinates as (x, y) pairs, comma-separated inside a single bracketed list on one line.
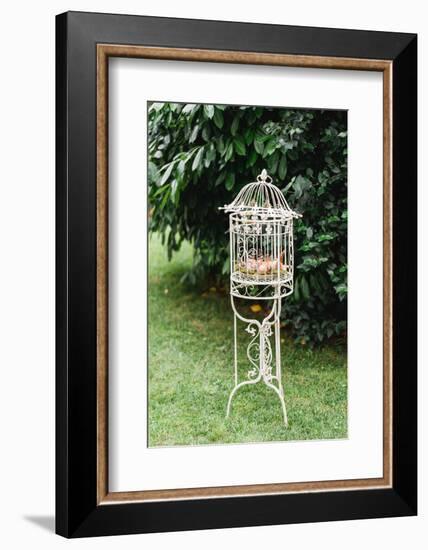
[(78, 513)]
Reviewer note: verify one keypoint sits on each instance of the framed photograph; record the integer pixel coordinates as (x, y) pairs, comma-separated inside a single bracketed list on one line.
[(236, 274)]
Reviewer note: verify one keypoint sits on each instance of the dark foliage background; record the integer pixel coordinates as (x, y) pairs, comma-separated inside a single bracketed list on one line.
[(200, 156)]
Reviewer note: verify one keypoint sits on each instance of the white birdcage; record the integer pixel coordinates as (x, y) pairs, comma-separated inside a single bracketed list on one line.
[(261, 268)]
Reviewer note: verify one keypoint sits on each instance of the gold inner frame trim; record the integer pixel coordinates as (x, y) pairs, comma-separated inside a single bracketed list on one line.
[(104, 51)]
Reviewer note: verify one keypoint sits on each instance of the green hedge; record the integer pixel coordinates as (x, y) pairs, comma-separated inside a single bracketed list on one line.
[(200, 156)]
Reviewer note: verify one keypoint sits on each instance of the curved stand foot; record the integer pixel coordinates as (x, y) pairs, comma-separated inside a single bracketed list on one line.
[(269, 385), (235, 389), (281, 398)]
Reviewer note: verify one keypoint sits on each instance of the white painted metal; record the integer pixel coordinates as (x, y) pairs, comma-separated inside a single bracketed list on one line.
[(261, 268)]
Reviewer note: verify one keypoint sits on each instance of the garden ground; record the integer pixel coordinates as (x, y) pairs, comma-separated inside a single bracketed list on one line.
[(191, 371)]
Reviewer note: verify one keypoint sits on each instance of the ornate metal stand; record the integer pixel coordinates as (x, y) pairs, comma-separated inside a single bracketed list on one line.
[(259, 353)]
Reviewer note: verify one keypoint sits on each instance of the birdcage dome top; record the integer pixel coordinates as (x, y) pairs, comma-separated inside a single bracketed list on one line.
[(261, 196)]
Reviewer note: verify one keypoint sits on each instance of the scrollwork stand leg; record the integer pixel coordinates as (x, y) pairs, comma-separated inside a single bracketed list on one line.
[(259, 353)]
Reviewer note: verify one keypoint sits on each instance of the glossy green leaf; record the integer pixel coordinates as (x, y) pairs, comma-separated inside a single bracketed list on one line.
[(188, 108), (304, 287), (174, 193), (166, 174), (282, 169), (206, 132), (273, 163), (197, 159), (218, 118), (229, 152), (235, 125), (194, 134), (270, 147), (209, 110), (258, 145), (230, 181), (239, 145)]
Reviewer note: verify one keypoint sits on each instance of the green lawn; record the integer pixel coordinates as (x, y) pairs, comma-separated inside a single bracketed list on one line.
[(191, 371)]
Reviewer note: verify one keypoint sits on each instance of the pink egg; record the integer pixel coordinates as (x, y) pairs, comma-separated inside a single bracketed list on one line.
[(263, 268)]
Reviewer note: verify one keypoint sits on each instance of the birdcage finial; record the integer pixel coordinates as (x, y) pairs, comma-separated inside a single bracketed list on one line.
[(264, 177)]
